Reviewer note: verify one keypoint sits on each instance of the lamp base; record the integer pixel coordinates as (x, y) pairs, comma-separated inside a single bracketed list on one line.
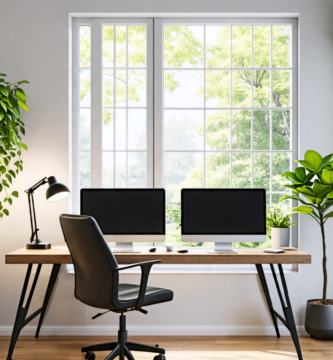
[(39, 246)]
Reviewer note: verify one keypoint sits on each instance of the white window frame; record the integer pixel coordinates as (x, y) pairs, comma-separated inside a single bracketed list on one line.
[(155, 107)]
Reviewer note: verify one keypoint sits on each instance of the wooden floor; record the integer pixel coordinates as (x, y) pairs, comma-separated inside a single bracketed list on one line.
[(177, 348)]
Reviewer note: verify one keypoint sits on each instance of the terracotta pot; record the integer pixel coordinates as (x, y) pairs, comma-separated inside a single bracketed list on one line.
[(280, 237), (319, 321)]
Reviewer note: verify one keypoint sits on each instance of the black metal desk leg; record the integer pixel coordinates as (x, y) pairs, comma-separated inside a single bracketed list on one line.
[(287, 310), (20, 320), (50, 286), (267, 296)]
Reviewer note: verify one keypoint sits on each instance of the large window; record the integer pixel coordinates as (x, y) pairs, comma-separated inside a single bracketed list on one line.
[(222, 111)]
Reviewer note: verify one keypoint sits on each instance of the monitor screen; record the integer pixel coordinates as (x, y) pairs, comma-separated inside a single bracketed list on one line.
[(126, 211), (223, 212)]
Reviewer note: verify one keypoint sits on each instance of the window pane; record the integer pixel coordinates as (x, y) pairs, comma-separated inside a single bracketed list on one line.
[(276, 200), (85, 129), (108, 128), (242, 88), (261, 46), (261, 129), (182, 169), (121, 40), (85, 87), (120, 87), (183, 129), (281, 46), (262, 88), (137, 129), (85, 170), (137, 38), (137, 169), (84, 46), (281, 129), (218, 130), (107, 87), (183, 89), (108, 43), (108, 170), (261, 170), (183, 46), (137, 95), (218, 46), (281, 164), (241, 130), (121, 169), (217, 170), (242, 46), (218, 88), (241, 170), (281, 88), (121, 129)]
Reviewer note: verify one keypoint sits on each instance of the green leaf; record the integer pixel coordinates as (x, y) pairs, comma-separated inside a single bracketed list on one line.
[(24, 146), (1, 187), (1, 74), (300, 173), (304, 190), (3, 105), (313, 158), (23, 106), (327, 159), (309, 177), (302, 210), (20, 95), (285, 197), (330, 195), (12, 173), (2, 115), (9, 178), (319, 188), (15, 193), (307, 165), (328, 177), (330, 214), (6, 212), (22, 130), (5, 90), (2, 80), (23, 82), (2, 169), (10, 201)]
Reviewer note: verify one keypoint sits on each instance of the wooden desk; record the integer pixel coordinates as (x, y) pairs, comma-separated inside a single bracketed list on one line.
[(60, 255)]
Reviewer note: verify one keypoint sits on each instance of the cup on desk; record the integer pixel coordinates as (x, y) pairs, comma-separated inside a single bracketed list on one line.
[(169, 247)]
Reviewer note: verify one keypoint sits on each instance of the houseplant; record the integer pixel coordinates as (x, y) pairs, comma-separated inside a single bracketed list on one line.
[(280, 222), (12, 98), (312, 185)]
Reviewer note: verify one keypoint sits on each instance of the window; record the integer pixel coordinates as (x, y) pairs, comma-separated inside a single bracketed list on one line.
[(224, 105)]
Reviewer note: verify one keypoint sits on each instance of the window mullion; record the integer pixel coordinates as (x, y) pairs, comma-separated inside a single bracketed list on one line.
[(96, 104)]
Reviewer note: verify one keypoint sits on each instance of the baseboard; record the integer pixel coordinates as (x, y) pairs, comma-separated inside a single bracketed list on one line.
[(154, 330)]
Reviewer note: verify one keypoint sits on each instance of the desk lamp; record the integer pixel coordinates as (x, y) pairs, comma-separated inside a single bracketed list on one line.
[(55, 192)]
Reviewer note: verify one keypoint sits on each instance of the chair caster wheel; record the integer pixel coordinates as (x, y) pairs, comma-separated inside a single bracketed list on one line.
[(90, 356), (160, 357)]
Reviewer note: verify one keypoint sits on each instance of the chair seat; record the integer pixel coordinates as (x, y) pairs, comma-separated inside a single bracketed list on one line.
[(129, 293)]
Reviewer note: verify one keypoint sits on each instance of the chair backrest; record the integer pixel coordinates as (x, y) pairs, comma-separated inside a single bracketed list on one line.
[(92, 258)]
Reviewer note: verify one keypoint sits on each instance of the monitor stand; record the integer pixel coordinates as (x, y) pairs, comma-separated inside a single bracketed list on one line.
[(125, 247), (223, 247)]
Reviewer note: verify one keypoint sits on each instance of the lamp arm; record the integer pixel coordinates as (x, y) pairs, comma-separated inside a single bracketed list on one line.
[(37, 185)]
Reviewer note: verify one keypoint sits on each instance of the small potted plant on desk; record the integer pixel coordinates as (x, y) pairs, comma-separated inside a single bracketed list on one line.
[(312, 185), (280, 222)]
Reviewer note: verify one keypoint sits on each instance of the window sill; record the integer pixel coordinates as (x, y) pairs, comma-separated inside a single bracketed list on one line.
[(203, 269)]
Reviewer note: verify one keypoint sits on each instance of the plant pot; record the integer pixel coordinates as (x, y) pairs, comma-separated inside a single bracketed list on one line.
[(280, 237), (319, 321)]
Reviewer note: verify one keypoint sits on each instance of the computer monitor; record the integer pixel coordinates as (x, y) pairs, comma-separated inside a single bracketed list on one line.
[(223, 216), (127, 215)]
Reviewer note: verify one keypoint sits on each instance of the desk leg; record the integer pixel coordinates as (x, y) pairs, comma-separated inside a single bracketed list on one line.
[(21, 320), (49, 290), (267, 296)]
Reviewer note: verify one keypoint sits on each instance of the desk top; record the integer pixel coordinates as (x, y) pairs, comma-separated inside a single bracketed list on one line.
[(61, 255)]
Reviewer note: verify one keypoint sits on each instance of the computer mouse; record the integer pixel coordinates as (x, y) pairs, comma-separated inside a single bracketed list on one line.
[(182, 251), (152, 250)]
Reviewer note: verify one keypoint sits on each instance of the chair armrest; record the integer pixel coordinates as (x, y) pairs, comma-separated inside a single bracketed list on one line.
[(145, 270), (144, 263)]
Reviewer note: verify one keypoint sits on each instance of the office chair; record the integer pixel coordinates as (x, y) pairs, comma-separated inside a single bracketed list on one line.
[(97, 284)]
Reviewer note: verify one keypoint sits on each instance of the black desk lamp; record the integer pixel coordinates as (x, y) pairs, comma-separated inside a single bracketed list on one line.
[(55, 192)]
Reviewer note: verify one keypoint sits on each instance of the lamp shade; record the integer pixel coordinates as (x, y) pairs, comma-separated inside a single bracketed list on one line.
[(56, 191)]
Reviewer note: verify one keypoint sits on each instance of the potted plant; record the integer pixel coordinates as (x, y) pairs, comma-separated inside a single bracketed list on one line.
[(279, 222), (12, 98), (312, 185)]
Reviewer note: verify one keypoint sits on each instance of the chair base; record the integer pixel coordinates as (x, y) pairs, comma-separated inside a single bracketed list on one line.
[(122, 347)]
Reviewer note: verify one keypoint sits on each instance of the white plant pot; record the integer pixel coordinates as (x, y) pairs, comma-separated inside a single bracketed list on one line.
[(280, 237)]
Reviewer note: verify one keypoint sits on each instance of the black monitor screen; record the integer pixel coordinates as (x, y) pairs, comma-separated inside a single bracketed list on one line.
[(223, 211), (126, 211)]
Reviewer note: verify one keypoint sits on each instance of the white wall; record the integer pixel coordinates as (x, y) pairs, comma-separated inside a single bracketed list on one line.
[(34, 46)]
